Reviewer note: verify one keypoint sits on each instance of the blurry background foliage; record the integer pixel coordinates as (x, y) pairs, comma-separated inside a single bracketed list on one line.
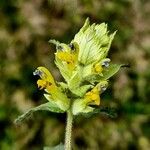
[(25, 28)]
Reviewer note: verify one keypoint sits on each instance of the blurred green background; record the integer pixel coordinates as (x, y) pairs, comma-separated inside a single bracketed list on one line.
[(25, 28)]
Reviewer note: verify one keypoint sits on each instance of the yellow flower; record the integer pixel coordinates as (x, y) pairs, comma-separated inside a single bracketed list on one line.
[(92, 97), (54, 93), (100, 66), (97, 68), (83, 105), (47, 81), (67, 57), (68, 54)]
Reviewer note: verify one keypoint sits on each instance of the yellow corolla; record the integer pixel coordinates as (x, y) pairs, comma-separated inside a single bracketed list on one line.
[(68, 54), (48, 84), (47, 81), (100, 66), (97, 68), (67, 57), (92, 97)]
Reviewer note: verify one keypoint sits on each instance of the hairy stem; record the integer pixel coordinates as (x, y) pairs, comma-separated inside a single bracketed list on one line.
[(68, 130)]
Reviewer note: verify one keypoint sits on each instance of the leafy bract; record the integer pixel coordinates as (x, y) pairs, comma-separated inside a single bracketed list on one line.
[(94, 42), (106, 74), (65, 72), (80, 106), (50, 106), (110, 71), (106, 111)]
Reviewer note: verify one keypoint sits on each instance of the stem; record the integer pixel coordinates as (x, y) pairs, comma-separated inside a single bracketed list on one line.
[(68, 130)]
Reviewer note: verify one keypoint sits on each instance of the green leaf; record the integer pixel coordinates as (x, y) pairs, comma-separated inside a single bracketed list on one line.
[(107, 111), (94, 42), (80, 91), (59, 101), (106, 74), (63, 85), (47, 107), (65, 72), (80, 106), (75, 80), (58, 147), (93, 78), (112, 69), (107, 47)]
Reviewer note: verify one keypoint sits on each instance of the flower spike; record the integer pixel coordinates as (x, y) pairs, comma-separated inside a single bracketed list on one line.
[(85, 67)]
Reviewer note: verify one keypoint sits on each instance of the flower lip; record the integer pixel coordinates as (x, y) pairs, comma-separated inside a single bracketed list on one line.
[(71, 45), (105, 62), (37, 72), (103, 88)]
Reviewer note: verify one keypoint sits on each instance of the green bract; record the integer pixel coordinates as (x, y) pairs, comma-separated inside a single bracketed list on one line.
[(86, 69), (94, 42)]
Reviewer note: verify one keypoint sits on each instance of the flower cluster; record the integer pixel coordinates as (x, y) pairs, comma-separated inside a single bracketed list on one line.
[(85, 67)]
